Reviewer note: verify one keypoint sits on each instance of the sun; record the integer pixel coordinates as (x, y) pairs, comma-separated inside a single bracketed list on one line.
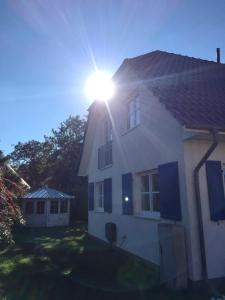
[(99, 86)]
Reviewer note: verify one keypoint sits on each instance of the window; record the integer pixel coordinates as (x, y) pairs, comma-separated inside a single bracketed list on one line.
[(64, 206), (133, 113), (105, 155), (54, 208), (107, 131), (40, 207), (150, 194), (29, 208), (99, 196), (105, 151)]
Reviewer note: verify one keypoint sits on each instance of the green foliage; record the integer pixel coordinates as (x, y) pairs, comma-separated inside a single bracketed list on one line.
[(55, 161)]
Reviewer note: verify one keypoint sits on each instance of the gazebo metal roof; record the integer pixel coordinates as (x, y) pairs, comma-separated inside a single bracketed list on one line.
[(47, 193)]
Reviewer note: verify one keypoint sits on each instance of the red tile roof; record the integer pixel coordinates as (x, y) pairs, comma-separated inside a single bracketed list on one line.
[(192, 89)]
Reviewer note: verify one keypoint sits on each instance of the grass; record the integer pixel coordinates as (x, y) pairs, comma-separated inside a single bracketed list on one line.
[(65, 263)]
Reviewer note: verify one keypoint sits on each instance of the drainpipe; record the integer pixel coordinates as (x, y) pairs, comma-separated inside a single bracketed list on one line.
[(198, 202)]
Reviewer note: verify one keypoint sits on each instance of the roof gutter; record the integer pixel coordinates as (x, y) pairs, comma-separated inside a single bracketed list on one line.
[(213, 146)]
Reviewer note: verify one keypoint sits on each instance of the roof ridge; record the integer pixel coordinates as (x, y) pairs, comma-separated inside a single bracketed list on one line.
[(176, 54), (42, 192)]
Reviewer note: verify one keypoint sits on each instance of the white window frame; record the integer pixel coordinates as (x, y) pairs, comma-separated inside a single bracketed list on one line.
[(149, 213), (99, 197), (133, 113)]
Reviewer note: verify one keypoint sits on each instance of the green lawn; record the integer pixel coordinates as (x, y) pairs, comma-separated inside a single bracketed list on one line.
[(64, 263)]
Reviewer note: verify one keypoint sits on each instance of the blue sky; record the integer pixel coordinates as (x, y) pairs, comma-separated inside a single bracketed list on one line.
[(48, 48)]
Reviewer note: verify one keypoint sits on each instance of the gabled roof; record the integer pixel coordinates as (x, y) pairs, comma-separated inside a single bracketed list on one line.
[(46, 192), (192, 89)]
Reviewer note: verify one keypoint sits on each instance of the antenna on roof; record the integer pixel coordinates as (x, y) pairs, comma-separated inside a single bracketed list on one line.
[(218, 55)]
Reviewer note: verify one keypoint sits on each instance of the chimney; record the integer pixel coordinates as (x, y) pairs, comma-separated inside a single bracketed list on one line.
[(218, 55)]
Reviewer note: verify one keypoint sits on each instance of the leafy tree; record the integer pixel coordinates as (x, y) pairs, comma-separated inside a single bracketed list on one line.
[(55, 161), (29, 161)]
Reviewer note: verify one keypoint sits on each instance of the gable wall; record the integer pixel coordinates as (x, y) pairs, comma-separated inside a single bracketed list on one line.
[(157, 140)]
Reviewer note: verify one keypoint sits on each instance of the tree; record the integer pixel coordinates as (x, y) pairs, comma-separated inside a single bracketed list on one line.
[(55, 161), (11, 185), (29, 161)]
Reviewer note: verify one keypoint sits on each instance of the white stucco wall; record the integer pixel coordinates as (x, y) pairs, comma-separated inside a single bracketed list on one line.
[(214, 232), (157, 140)]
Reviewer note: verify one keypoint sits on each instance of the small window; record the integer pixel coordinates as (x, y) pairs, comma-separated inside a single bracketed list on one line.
[(54, 208), (29, 208), (64, 206), (150, 194), (133, 113), (107, 131), (99, 196), (40, 207)]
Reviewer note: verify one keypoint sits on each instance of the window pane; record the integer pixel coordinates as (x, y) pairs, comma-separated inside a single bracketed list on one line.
[(145, 183), (63, 206), (131, 115), (156, 201), (100, 188), (131, 107), (54, 207), (110, 133), (137, 119), (132, 120), (40, 207), (137, 104), (145, 202), (100, 194), (155, 182), (100, 201), (105, 131)]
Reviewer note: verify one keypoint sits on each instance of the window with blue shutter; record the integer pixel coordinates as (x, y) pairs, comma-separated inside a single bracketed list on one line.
[(91, 196), (127, 194), (170, 207), (108, 195), (215, 190)]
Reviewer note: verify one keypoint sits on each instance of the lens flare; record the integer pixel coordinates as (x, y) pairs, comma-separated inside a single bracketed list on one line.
[(99, 86)]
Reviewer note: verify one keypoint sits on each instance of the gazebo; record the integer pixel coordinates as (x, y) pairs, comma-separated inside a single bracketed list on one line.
[(46, 207)]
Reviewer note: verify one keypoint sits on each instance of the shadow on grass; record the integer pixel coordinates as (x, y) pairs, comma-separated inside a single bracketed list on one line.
[(64, 263)]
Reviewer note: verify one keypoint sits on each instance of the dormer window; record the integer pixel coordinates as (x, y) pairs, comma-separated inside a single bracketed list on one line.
[(105, 150), (107, 131), (133, 113)]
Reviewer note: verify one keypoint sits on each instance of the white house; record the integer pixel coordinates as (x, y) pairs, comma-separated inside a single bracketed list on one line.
[(46, 207), (155, 153)]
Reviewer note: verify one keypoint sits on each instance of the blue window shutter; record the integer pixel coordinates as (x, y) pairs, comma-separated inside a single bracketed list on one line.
[(215, 190), (170, 207), (108, 195), (127, 194), (91, 196)]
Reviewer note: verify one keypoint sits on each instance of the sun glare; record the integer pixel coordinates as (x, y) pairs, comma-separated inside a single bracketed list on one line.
[(99, 86)]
